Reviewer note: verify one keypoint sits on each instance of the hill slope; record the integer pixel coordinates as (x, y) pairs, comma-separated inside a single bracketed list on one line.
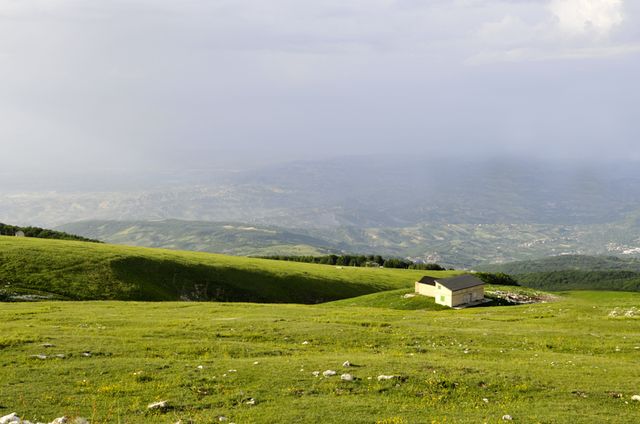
[(575, 272), (83, 271)]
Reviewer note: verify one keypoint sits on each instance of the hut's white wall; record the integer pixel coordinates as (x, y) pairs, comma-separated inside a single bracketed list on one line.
[(425, 289), (446, 297)]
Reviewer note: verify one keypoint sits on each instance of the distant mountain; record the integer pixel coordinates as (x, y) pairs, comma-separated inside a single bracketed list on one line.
[(575, 272), (460, 246), (567, 263), (361, 192), (216, 237)]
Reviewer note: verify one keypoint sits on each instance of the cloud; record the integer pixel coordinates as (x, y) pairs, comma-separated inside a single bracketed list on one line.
[(567, 29), (580, 17)]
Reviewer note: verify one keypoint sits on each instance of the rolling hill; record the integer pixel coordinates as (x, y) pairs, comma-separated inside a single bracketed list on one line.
[(574, 272), (84, 271)]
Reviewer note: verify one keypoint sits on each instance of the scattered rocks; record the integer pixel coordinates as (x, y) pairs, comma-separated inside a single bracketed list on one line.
[(347, 377), (329, 373), (162, 406), (521, 298), (9, 419), (13, 418), (625, 313), (507, 417), (615, 395), (635, 398), (579, 393)]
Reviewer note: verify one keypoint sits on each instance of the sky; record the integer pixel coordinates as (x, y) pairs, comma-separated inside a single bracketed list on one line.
[(159, 84)]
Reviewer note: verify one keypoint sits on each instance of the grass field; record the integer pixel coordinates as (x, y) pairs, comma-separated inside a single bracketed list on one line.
[(567, 361), (88, 271), (571, 360)]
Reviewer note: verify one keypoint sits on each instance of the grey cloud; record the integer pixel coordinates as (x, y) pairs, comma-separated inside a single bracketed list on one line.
[(159, 83)]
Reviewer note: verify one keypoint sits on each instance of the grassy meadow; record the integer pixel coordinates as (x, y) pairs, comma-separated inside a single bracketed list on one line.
[(566, 361), (95, 355)]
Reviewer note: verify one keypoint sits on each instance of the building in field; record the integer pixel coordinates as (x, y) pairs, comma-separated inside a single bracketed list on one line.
[(462, 290)]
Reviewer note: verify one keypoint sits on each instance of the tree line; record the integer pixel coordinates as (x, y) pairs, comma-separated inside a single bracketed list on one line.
[(37, 232), (358, 261)]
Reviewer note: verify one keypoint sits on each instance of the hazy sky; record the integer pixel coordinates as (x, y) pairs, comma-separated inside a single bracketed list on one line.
[(155, 83)]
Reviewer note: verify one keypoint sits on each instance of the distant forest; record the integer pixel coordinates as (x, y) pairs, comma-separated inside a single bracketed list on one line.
[(358, 261), (37, 232)]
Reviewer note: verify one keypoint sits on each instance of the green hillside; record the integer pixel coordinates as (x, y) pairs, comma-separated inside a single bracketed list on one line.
[(575, 272), (569, 361), (84, 271), (566, 263), (392, 299)]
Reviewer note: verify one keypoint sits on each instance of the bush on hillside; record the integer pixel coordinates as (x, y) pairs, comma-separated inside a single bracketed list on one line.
[(499, 279)]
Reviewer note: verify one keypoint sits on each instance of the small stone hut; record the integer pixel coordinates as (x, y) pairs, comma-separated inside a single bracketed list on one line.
[(455, 291)]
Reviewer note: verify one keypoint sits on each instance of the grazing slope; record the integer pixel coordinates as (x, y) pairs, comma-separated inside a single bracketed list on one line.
[(570, 361), (402, 299), (85, 271)]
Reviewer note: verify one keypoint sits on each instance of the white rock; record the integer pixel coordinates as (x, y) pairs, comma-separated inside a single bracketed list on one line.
[(86, 354), (40, 356), (256, 363), (158, 406), (80, 420), (329, 373), (485, 400), (316, 373), (346, 364), (232, 371), (346, 377), (386, 377), (61, 420), (11, 418), (48, 345), (305, 342), (200, 367), (222, 418), (251, 402), (507, 418), (636, 398)]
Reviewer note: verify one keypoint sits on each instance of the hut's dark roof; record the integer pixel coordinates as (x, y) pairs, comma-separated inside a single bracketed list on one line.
[(460, 282), (427, 280)]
